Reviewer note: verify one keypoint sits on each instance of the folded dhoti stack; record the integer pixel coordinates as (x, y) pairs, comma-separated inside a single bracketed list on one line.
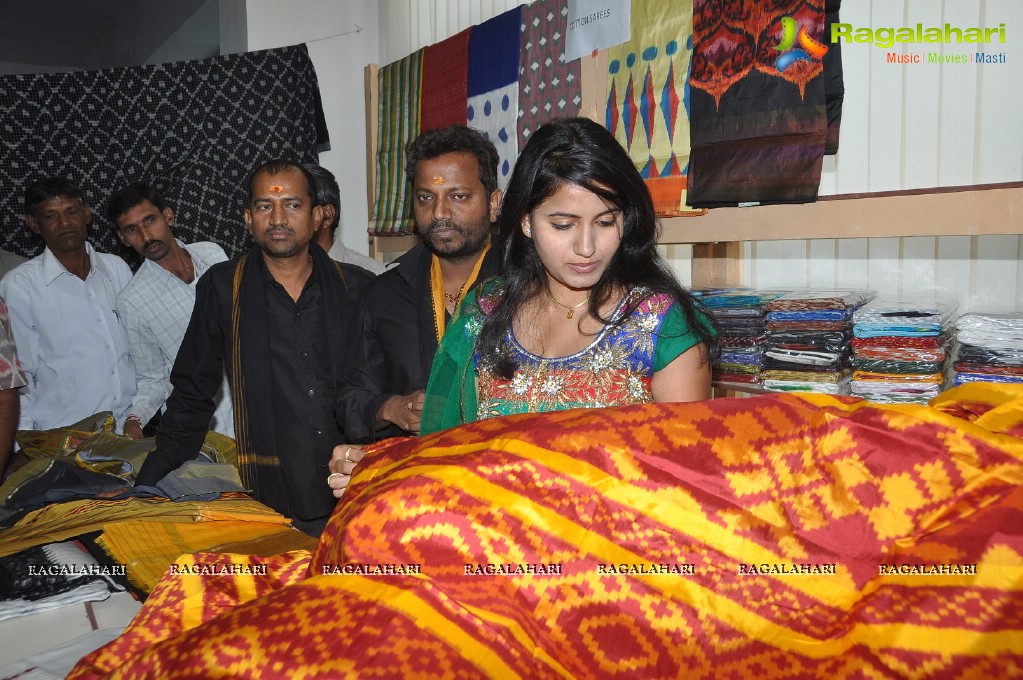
[(807, 344), (900, 349), (990, 348)]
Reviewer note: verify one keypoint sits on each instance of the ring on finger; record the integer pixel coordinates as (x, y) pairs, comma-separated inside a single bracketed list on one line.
[(332, 475), (347, 451)]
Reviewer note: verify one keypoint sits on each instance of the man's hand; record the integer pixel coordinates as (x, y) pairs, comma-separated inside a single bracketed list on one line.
[(133, 429), (342, 464), (405, 411)]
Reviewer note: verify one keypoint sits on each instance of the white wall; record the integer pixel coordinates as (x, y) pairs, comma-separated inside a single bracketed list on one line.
[(342, 37), (407, 25), (917, 126)]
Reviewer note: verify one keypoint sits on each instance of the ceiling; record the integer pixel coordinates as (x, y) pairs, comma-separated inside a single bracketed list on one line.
[(93, 34)]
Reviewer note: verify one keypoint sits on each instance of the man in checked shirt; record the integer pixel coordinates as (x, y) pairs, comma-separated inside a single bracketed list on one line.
[(156, 305)]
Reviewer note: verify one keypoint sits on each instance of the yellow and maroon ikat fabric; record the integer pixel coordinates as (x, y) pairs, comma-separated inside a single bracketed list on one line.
[(780, 536)]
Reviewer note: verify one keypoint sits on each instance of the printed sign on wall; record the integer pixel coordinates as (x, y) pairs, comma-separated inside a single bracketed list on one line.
[(596, 25)]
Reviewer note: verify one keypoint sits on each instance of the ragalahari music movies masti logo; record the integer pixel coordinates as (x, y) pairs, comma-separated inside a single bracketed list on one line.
[(808, 50)]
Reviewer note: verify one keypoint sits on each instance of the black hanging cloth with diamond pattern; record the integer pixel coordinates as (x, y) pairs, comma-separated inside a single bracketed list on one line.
[(194, 130)]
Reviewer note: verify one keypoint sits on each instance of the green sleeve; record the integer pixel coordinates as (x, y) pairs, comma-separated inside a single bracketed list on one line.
[(674, 337), (451, 391)]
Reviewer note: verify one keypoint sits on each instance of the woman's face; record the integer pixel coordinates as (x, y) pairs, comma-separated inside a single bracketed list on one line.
[(576, 234)]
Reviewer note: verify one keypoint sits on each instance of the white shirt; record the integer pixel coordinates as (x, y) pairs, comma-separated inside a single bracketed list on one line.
[(340, 253), (70, 342), (155, 308)]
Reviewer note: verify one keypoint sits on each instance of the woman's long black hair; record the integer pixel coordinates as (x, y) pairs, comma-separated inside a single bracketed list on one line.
[(581, 152)]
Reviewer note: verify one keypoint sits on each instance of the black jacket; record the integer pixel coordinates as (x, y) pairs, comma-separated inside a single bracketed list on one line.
[(206, 353), (393, 344)]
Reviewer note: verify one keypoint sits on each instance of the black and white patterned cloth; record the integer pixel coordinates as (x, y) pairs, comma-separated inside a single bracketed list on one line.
[(194, 130)]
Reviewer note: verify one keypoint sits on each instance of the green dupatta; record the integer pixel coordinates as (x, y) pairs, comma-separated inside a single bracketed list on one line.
[(451, 397)]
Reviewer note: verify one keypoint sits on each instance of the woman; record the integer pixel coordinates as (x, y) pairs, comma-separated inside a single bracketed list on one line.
[(587, 313)]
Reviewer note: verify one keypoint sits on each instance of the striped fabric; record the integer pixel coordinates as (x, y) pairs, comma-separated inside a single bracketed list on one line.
[(399, 86), (774, 537)]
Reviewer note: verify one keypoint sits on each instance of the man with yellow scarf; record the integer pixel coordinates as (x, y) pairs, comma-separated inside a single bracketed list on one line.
[(453, 172)]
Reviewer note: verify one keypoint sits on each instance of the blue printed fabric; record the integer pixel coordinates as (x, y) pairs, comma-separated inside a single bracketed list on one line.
[(493, 87)]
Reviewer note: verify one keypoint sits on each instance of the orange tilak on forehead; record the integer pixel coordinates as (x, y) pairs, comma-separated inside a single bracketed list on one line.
[(438, 180), (275, 188)]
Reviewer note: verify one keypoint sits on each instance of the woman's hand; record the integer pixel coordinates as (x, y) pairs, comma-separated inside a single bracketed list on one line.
[(342, 463)]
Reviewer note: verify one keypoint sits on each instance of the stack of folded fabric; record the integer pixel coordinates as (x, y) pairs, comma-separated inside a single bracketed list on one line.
[(990, 348), (900, 350), (740, 318), (807, 343), (51, 576)]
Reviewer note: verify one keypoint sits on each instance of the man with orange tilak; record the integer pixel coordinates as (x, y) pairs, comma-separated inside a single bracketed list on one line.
[(277, 319), (453, 171)]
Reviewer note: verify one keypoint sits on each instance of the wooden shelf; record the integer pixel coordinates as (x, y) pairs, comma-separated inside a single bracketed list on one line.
[(380, 245), (947, 211)]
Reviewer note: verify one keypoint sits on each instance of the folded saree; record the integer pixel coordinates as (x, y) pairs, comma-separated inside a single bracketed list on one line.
[(931, 378), (963, 378), (923, 342), (60, 521)]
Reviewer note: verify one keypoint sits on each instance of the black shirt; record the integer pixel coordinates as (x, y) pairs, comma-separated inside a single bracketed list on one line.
[(303, 395), (292, 432)]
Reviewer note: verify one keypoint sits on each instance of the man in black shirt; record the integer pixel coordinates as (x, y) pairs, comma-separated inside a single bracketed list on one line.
[(276, 319), (453, 172)]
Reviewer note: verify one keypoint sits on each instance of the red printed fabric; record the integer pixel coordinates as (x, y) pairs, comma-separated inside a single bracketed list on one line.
[(935, 342), (773, 537), (549, 86)]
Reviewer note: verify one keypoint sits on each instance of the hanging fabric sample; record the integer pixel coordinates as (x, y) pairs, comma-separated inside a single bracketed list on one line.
[(647, 98), (494, 88), (444, 90), (398, 113), (549, 85), (834, 82), (759, 109), (193, 129)]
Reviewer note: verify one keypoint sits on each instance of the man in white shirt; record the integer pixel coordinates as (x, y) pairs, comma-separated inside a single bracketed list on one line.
[(328, 197), (70, 342), (156, 306)]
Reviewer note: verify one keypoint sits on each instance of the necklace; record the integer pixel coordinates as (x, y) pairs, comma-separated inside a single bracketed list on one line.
[(571, 309), (453, 299)]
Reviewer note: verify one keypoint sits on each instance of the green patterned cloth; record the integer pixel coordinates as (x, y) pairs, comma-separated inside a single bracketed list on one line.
[(399, 86)]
